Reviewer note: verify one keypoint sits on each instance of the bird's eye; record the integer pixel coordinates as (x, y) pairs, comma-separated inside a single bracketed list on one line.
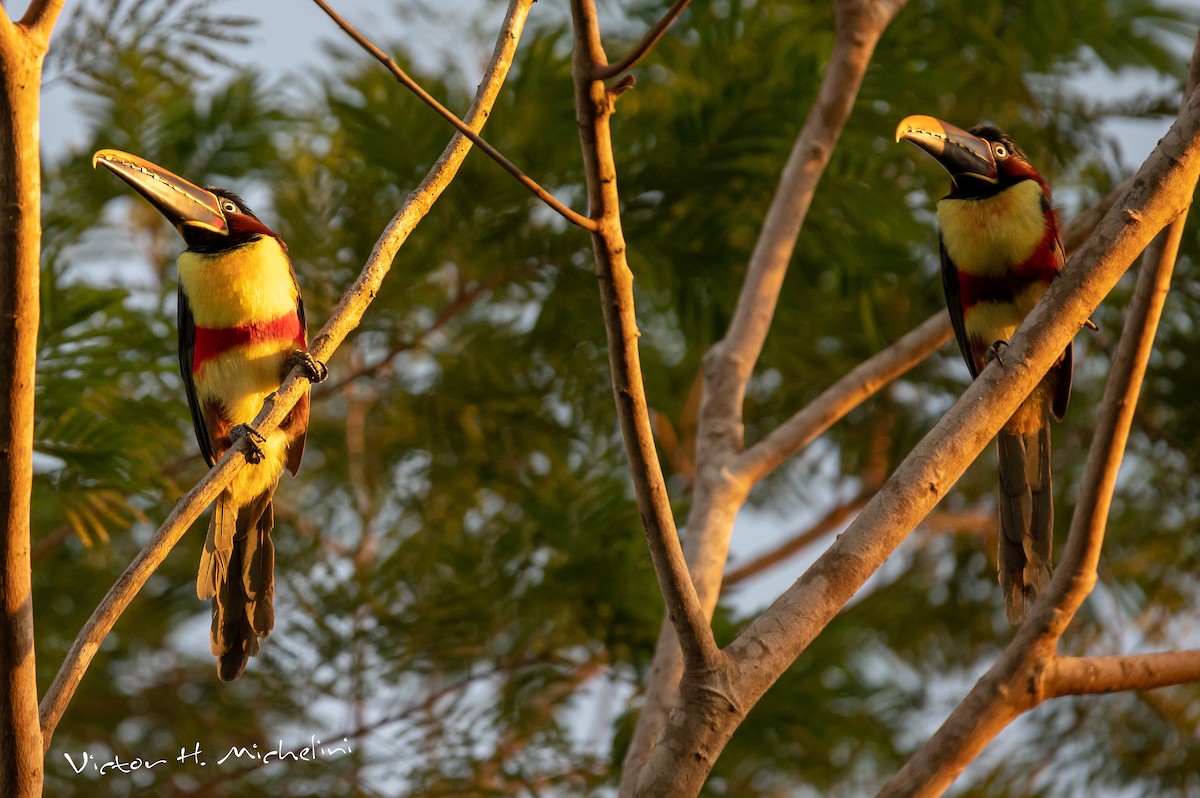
[(229, 207), (1000, 151)]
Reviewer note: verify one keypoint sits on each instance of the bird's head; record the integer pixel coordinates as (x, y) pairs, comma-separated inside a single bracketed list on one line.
[(981, 161), (209, 219)]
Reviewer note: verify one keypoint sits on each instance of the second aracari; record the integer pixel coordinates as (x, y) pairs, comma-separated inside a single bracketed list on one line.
[(1000, 250), (241, 329)]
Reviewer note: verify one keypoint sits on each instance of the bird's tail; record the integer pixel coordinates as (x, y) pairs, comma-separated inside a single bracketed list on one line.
[(1026, 517), (237, 571)]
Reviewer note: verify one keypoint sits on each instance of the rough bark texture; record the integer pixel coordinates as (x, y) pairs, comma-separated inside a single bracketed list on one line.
[(22, 48)]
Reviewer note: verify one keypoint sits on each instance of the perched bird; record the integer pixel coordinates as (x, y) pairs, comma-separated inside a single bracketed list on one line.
[(241, 329), (1000, 249)]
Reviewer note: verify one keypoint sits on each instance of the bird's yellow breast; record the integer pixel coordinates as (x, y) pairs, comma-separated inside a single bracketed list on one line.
[(990, 235), (253, 282)]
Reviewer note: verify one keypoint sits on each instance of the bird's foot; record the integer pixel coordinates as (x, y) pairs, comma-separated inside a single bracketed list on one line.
[(254, 452), (993, 352), (1091, 325), (314, 369)]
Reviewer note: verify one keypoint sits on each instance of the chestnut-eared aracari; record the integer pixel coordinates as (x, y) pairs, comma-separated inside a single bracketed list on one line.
[(1000, 249), (241, 329)]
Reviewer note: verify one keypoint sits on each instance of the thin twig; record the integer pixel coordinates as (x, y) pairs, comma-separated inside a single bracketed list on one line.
[(545, 196), (642, 48), (343, 320)]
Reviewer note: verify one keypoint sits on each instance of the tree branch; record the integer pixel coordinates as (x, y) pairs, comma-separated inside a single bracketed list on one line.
[(40, 16), (545, 196), (22, 50), (464, 300), (343, 320), (593, 109), (729, 363), (1100, 675), (643, 47), (767, 647)]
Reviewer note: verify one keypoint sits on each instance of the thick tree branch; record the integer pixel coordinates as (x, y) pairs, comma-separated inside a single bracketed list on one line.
[(1099, 675), (22, 49), (643, 47), (1016, 683), (344, 319), (728, 365), (593, 109), (462, 127)]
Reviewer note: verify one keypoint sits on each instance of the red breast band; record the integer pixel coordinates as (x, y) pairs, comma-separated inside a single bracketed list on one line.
[(212, 342)]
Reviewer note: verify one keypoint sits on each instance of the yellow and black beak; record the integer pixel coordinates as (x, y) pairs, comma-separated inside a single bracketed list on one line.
[(185, 204), (962, 154)]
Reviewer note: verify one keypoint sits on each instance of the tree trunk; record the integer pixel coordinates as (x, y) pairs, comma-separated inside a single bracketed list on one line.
[(21, 52)]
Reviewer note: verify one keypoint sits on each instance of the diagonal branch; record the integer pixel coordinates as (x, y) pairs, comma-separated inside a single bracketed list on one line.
[(344, 319), (866, 379), (643, 47), (796, 542), (463, 300), (545, 196)]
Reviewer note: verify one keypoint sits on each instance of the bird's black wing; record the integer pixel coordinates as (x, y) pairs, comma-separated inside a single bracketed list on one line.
[(954, 305), (187, 348)]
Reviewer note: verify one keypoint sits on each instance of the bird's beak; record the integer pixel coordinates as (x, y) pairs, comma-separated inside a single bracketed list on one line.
[(182, 202), (960, 153)]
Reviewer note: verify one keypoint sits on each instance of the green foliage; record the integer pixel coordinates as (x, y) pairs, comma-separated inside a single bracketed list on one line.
[(464, 591)]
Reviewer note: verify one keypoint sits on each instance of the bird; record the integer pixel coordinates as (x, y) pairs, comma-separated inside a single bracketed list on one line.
[(1000, 250), (241, 330)]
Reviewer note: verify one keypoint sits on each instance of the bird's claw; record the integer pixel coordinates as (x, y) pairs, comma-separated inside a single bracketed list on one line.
[(254, 452), (314, 369), (993, 352)]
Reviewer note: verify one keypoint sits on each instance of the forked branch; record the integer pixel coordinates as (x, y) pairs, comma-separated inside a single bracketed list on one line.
[(643, 47)]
